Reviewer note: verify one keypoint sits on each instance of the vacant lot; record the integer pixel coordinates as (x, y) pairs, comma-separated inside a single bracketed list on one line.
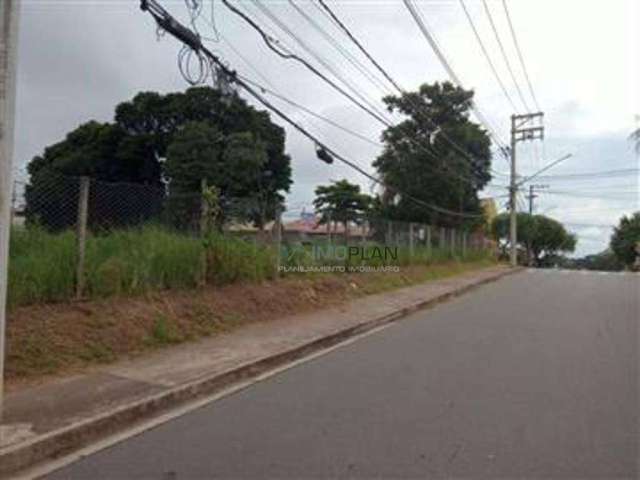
[(53, 339)]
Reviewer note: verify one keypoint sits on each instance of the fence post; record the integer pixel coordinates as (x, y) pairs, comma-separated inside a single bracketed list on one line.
[(278, 227), (428, 238), (443, 238), (81, 234), (464, 244), (453, 241), (411, 249), (204, 229), (204, 208)]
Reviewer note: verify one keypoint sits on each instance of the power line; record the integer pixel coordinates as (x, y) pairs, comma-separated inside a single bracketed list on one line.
[(344, 52), (594, 195), (589, 175), (445, 63), (597, 225), (391, 80), (520, 56), (357, 43), (464, 178), (487, 56), (269, 41), (169, 24), (273, 92), (607, 188), (325, 63), (311, 112), (504, 55), (424, 148)]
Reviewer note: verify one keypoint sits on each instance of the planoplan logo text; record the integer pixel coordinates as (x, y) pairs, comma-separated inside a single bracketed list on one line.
[(319, 253)]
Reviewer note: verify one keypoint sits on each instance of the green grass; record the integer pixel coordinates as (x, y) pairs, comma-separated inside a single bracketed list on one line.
[(141, 260), (136, 261), (127, 262), (41, 266)]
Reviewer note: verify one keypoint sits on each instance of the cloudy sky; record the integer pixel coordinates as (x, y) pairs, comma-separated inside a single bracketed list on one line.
[(79, 58)]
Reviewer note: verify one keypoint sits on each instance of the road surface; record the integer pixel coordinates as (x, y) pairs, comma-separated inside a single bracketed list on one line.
[(535, 376)]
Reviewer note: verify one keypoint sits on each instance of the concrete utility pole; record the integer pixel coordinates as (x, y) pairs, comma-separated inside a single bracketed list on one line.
[(519, 133), (8, 59)]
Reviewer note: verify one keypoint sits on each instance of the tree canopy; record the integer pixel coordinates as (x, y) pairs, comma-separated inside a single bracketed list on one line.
[(605, 261), (625, 241), (436, 154), (156, 140), (544, 237), (341, 202)]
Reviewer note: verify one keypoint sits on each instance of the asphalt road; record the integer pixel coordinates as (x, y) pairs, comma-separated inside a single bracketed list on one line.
[(535, 376)]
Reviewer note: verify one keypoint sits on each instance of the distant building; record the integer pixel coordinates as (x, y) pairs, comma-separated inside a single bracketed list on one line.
[(308, 225)]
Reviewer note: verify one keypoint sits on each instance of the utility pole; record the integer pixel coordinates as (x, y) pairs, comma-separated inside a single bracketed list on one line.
[(532, 195), (521, 130), (8, 58)]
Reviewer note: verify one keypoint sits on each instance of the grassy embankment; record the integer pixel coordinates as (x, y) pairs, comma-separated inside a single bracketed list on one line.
[(145, 291)]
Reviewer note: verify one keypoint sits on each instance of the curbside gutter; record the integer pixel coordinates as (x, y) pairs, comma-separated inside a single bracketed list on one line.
[(66, 440)]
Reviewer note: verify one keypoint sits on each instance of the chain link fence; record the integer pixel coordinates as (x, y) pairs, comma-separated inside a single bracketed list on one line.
[(79, 237), (376, 241)]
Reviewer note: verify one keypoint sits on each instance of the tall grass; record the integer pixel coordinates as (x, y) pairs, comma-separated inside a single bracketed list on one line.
[(135, 261), (42, 264), (232, 259), (140, 260)]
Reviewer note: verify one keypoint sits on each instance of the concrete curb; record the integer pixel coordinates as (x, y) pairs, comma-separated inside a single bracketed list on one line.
[(65, 440)]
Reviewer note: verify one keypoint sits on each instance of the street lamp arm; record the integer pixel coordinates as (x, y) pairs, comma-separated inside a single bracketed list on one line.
[(543, 169)]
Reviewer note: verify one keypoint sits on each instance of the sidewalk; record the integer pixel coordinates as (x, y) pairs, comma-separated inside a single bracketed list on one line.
[(55, 418)]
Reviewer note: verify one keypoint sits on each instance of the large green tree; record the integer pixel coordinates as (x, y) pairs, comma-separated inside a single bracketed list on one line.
[(256, 168), (436, 154), (101, 151), (135, 147), (625, 241), (543, 237), (342, 202), (233, 164)]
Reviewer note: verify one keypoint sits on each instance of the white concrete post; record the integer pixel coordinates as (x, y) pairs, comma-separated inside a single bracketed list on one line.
[(8, 58)]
